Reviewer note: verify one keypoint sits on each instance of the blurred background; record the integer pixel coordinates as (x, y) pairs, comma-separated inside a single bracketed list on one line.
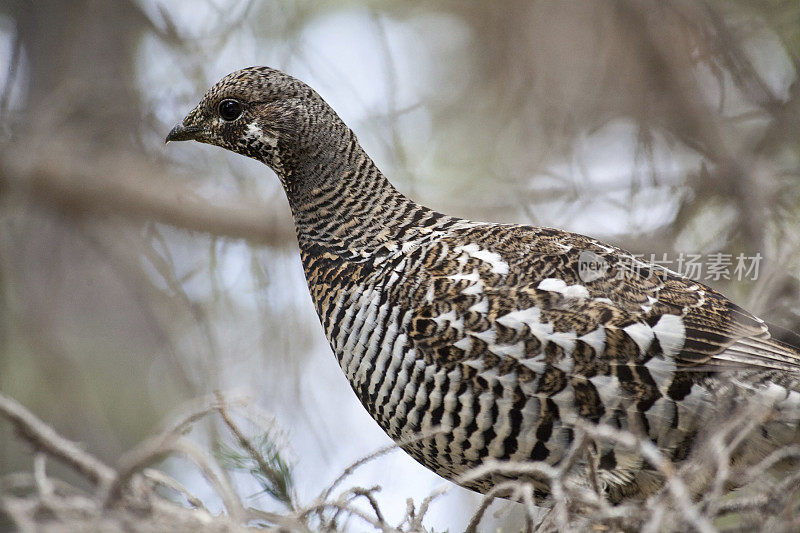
[(135, 277)]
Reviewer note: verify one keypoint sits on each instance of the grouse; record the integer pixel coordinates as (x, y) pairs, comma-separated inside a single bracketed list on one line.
[(502, 336)]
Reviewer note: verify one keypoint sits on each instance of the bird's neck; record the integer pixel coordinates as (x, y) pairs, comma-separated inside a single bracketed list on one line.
[(343, 205), (349, 221)]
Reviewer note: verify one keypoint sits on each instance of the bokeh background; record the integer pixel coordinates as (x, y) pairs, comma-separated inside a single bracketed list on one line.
[(135, 277)]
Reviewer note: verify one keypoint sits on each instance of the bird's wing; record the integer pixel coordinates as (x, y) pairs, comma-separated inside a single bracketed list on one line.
[(563, 289), (536, 338)]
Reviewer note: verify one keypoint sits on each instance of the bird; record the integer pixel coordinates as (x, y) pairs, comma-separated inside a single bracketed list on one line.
[(474, 341)]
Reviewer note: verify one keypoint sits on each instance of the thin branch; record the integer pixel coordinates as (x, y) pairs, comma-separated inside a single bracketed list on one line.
[(382, 451), (44, 438), (157, 477), (367, 493), (220, 483), (121, 186), (245, 443), (153, 449), (11, 74), (676, 487)]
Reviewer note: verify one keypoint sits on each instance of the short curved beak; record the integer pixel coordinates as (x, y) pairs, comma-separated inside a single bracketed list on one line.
[(183, 133)]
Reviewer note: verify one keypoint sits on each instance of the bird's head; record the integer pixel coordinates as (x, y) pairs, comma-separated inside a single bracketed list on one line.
[(263, 113)]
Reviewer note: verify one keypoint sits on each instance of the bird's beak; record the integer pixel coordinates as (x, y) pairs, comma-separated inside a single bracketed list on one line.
[(183, 133)]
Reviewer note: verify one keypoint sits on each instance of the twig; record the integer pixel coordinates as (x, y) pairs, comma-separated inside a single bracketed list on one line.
[(530, 505), (789, 452), (160, 478), (44, 438), (157, 446), (220, 483), (43, 484), (415, 521), (676, 487), (533, 468), (245, 443), (382, 451), (367, 493), (286, 522), (342, 506), (506, 487)]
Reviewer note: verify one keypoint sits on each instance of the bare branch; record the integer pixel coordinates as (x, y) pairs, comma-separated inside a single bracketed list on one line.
[(154, 448), (160, 478), (44, 438), (383, 451), (119, 185)]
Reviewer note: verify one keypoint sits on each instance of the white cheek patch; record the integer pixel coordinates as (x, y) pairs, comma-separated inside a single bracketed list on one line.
[(255, 133)]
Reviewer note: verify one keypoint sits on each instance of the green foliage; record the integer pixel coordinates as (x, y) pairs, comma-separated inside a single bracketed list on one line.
[(261, 458)]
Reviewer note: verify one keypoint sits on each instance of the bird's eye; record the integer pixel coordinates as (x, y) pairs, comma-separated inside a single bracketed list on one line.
[(230, 109)]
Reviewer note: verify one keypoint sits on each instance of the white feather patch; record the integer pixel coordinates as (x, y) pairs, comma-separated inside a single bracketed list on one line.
[(641, 333), (450, 319), (662, 370), (607, 388), (564, 339), (472, 276), (495, 260), (671, 334), (516, 351), (561, 287), (480, 307), (596, 339), (464, 343), (474, 289)]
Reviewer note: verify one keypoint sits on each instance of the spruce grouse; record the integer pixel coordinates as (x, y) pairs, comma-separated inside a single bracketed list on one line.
[(496, 333)]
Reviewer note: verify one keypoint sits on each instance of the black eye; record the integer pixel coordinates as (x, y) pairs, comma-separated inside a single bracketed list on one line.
[(230, 109)]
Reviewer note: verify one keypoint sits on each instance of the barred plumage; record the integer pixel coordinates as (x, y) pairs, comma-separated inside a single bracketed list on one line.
[(497, 333)]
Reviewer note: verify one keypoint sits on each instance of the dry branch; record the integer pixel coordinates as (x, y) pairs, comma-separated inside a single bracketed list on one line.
[(119, 184), (576, 505), (111, 507), (44, 438)]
